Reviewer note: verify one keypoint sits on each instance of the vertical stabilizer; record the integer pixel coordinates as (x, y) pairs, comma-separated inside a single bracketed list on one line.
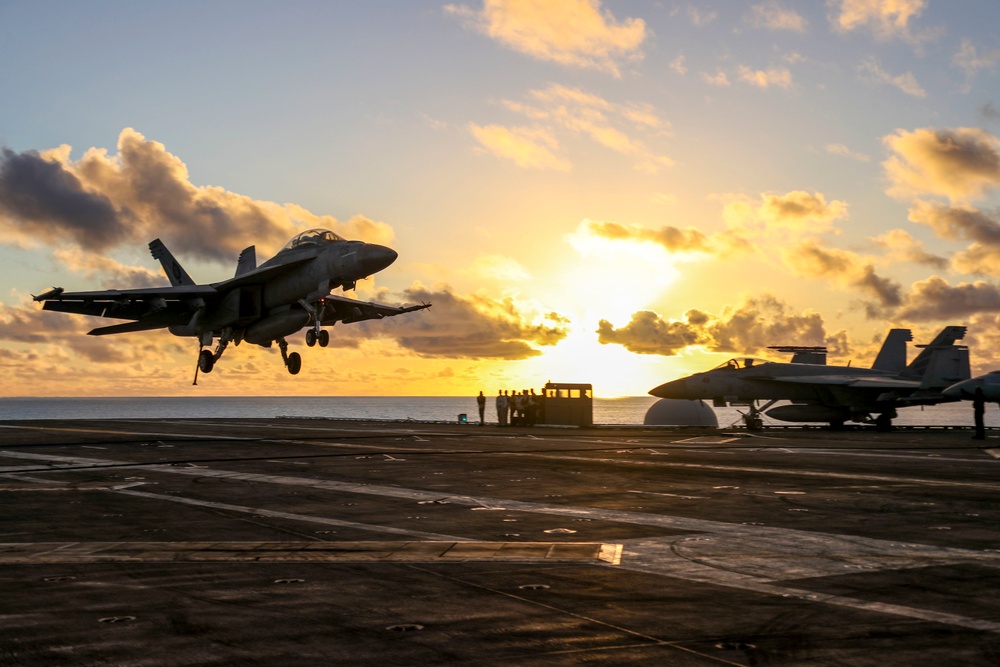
[(941, 363), (247, 261), (175, 272), (892, 356)]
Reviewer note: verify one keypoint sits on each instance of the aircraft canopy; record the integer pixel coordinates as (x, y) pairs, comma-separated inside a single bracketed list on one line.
[(312, 237), (745, 362)]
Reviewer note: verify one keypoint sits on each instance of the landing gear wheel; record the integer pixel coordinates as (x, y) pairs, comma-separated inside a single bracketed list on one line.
[(311, 338), (324, 338), (206, 361), (294, 363), (837, 425)]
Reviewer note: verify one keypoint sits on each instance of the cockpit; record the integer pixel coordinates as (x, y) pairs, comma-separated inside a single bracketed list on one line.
[(745, 362), (313, 237)]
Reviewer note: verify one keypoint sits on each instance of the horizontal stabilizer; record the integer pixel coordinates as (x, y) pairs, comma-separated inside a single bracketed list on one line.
[(342, 309), (129, 327)]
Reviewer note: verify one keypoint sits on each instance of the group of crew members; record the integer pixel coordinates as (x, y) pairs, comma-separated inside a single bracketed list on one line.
[(515, 409)]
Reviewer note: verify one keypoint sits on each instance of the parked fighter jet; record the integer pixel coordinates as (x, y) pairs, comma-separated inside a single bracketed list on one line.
[(834, 394), (260, 305), (989, 383)]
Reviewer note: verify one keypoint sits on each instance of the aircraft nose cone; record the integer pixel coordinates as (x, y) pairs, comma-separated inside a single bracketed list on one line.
[(373, 258), (673, 389), (963, 389)]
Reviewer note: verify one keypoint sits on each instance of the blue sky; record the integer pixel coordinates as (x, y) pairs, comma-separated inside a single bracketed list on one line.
[(613, 192)]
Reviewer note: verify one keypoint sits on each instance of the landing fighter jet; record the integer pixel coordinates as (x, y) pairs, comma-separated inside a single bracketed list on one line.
[(260, 305), (834, 394)]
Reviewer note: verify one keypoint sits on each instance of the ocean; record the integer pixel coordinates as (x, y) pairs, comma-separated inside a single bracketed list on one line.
[(630, 410)]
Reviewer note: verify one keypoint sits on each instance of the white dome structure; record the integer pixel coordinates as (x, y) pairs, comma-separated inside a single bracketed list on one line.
[(679, 412)]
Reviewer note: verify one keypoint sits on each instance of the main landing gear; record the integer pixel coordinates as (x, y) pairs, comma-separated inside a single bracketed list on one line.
[(322, 336)]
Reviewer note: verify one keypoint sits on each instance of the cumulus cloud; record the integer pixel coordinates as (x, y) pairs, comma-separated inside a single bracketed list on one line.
[(961, 163), (886, 18), (671, 239), (748, 328), (526, 147), (902, 247), (101, 202), (772, 76), (471, 327), (847, 268), (572, 112), (771, 15), (936, 299), (964, 223), (576, 33), (872, 72), (797, 210)]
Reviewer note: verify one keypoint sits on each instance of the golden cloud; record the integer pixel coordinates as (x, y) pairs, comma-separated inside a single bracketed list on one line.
[(747, 328), (902, 247), (561, 109), (671, 239), (470, 327), (963, 222), (960, 164), (886, 18), (797, 210), (772, 76), (810, 260), (527, 148), (576, 33)]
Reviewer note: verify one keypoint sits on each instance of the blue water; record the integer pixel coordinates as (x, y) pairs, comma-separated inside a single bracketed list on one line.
[(630, 410)]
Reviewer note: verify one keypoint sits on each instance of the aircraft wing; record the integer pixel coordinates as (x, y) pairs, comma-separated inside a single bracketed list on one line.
[(342, 309), (156, 307), (858, 382)]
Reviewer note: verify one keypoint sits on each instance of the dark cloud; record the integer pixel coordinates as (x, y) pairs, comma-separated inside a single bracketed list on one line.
[(936, 299), (44, 199), (102, 202), (468, 327), (749, 328), (965, 223)]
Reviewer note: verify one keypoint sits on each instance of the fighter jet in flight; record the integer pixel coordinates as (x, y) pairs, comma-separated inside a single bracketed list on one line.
[(260, 304), (834, 394)]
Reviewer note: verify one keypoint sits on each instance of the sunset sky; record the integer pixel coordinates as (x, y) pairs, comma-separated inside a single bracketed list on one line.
[(613, 192)]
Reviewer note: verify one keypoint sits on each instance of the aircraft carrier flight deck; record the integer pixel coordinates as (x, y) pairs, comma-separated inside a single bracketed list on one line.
[(312, 541)]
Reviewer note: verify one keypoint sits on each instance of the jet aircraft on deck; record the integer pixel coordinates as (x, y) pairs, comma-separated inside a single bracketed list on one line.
[(260, 304), (834, 394)]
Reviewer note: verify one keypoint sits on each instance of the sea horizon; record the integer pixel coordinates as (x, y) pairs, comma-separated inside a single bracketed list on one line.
[(629, 410)]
